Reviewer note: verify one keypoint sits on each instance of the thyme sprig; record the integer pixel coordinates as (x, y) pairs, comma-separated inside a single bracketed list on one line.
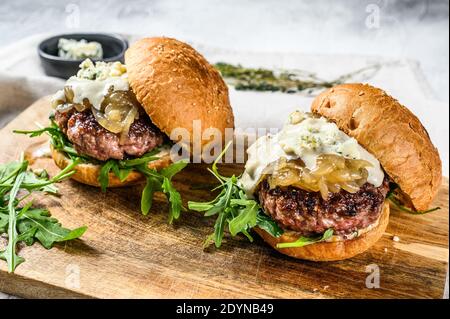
[(260, 79)]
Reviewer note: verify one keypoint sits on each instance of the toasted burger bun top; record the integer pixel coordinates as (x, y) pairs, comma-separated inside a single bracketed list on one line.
[(176, 85), (329, 251), (391, 133)]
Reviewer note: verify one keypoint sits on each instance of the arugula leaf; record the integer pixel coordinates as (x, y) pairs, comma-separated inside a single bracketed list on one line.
[(33, 179), (9, 254), (232, 207), (202, 206), (8, 171), (45, 229), (121, 173), (219, 228), (268, 224), (73, 234), (27, 224), (173, 169), (304, 241), (25, 236), (246, 217), (174, 198), (153, 185), (223, 200), (403, 208), (103, 176), (58, 140), (156, 181), (144, 159), (3, 222), (161, 182), (394, 199)]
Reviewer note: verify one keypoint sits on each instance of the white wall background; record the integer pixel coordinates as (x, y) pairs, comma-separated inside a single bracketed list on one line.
[(416, 29)]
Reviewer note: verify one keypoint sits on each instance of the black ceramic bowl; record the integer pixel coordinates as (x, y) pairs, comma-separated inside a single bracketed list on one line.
[(114, 47)]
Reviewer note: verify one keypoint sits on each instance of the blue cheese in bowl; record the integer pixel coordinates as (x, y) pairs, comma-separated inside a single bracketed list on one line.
[(78, 50), (306, 137)]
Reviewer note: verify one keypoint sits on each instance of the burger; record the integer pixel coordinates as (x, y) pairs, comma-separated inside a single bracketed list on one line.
[(319, 189), (115, 121)]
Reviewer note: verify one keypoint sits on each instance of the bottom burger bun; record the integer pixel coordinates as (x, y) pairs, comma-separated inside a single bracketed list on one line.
[(87, 173), (330, 251)]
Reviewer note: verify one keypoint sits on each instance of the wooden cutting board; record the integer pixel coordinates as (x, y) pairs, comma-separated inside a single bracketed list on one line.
[(124, 254)]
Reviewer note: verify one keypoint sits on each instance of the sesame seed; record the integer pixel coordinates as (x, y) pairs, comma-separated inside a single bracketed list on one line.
[(396, 239)]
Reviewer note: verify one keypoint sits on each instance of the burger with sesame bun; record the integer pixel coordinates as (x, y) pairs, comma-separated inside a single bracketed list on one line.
[(320, 188)]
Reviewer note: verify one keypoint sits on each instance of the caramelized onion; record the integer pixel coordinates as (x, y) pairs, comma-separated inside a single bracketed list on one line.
[(331, 174), (82, 107), (129, 119), (118, 111), (68, 93)]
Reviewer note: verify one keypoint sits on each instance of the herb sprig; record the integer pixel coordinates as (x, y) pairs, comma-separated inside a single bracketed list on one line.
[(233, 209), (259, 79), (398, 203), (304, 241), (22, 222), (156, 181)]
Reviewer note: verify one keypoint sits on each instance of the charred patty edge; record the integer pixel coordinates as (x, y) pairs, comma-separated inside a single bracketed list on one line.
[(308, 214), (90, 138)]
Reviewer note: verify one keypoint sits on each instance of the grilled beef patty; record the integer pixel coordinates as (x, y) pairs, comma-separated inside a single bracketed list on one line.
[(92, 139), (309, 214)]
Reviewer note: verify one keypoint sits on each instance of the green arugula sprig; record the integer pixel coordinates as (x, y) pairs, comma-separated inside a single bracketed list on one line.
[(59, 141), (23, 223), (161, 182), (233, 209), (304, 241), (397, 202), (157, 181), (241, 214)]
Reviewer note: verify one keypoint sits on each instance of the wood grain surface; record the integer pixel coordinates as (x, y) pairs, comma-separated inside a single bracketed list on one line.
[(126, 255)]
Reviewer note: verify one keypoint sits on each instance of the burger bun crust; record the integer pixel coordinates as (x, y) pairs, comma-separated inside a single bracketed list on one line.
[(177, 86), (390, 132), (88, 173), (330, 251)]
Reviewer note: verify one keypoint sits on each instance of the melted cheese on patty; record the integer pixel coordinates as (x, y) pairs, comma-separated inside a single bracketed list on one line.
[(94, 81), (304, 137)]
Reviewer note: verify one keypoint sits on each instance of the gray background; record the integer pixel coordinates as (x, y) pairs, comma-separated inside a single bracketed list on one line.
[(407, 28)]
